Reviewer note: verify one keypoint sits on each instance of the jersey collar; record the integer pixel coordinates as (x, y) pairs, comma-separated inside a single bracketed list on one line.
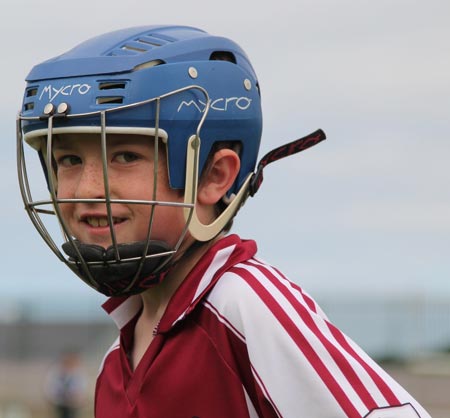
[(224, 254)]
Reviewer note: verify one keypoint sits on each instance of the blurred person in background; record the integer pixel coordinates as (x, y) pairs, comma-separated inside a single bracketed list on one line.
[(65, 387)]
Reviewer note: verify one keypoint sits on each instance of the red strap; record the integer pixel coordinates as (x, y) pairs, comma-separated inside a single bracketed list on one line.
[(284, 151)]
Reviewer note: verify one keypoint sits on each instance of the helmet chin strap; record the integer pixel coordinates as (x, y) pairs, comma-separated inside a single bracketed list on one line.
[(199, 230)]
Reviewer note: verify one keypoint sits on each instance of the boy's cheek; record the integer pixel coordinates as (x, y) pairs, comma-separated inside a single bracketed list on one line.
[(64, 214)]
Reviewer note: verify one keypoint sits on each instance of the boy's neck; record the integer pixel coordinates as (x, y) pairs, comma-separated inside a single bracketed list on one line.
[(156, 299)]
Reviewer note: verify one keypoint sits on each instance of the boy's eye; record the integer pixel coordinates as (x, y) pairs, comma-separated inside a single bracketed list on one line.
[(69, 160), (126, 157)]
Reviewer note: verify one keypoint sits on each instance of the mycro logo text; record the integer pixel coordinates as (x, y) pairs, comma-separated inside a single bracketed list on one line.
[(51, 93), (222, 104)]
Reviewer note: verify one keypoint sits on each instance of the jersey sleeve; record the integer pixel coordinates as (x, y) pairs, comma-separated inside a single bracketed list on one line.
[(301, 363)]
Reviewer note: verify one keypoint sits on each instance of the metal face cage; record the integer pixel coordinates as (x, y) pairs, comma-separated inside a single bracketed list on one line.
[(59, 121)]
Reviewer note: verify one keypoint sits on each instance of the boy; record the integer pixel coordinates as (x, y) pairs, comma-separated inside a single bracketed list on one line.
[(148, 138)]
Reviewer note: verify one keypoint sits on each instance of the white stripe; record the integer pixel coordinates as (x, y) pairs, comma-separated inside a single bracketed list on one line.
[(125, 312)]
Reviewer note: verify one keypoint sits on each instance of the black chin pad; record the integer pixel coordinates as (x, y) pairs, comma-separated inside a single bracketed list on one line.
[(112, 277)]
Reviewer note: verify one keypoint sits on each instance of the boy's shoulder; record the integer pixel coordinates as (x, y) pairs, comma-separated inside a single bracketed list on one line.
[(254, 289), (249, 287)]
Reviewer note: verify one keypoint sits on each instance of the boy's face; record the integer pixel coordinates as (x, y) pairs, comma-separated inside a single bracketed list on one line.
[(131, 162)]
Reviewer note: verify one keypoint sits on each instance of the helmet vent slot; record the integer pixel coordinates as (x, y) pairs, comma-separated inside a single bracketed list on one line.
[(133, 48), (109, 100), (28, 106), (112, 85), (223, 56), (149, 41), (141, 44), (32, 92)]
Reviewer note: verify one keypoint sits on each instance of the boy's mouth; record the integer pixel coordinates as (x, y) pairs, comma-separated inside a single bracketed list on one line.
[(101, 221)]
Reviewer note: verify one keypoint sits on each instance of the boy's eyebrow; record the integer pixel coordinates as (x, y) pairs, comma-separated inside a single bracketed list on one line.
[(117, 140), (60, 144)]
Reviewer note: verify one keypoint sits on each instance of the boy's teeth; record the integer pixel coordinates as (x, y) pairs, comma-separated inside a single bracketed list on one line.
[(96, 222)]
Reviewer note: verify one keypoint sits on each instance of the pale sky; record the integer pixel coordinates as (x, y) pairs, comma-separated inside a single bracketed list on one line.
[(367, 210)]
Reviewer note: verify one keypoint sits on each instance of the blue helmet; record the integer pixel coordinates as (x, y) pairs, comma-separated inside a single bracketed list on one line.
[(125, 67)]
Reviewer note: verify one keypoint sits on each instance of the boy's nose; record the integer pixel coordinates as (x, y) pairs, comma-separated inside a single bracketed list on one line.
[(91, 184)]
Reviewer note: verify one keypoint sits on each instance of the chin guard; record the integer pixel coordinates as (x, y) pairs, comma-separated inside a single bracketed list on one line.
[(132, 273)]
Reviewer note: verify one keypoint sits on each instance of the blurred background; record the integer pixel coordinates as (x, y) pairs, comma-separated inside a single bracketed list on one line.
[(361, 222)]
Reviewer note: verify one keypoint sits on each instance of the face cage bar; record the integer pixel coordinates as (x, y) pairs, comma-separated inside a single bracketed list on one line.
[(33, 208)]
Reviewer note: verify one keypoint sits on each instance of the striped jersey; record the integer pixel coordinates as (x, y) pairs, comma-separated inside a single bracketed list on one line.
[(238, 339)]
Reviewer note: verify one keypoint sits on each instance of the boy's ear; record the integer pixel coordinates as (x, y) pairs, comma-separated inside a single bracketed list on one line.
[(218, 177)]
